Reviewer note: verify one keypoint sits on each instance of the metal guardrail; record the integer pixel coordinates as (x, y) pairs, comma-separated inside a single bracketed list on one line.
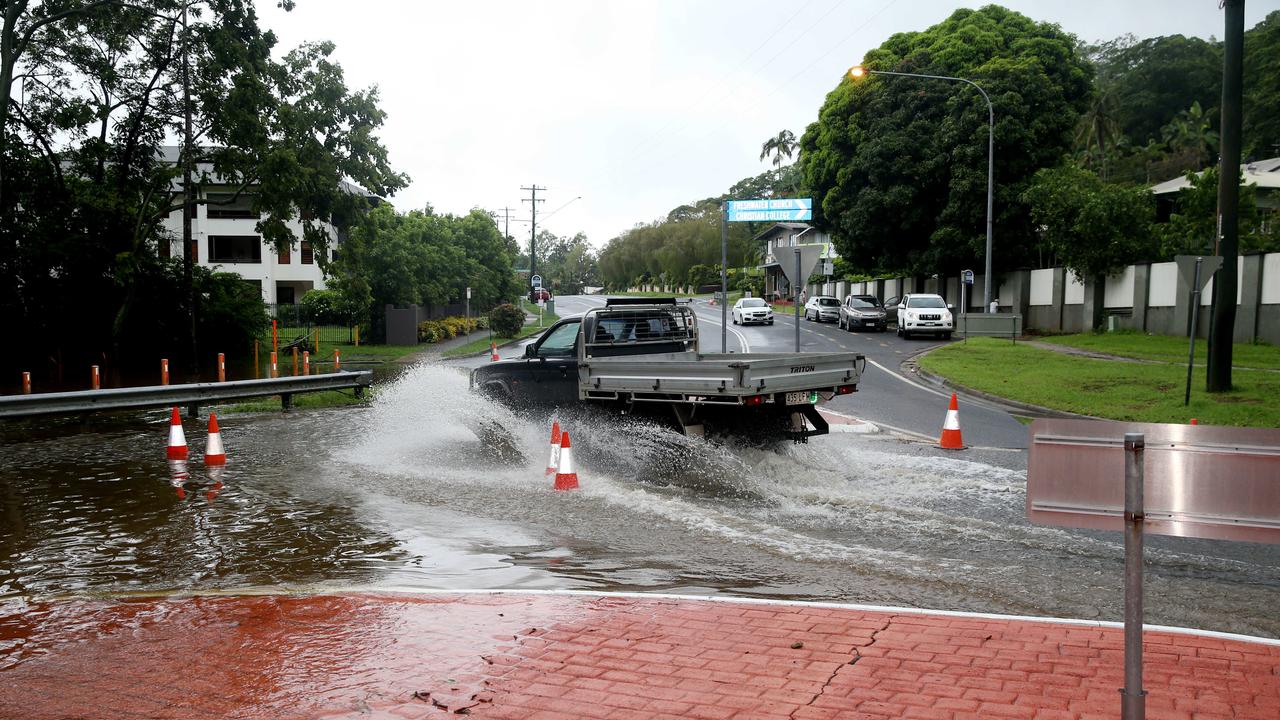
[(191, 395)]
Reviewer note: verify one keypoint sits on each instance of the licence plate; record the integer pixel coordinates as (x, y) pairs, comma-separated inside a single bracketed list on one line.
[(799, 398)]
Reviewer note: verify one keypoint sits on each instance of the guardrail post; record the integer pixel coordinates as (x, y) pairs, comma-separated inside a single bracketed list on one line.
[(26, 383), (93, 380), (193, 411), (222, 367), (286, 402), (164, 371), (1133, 705)]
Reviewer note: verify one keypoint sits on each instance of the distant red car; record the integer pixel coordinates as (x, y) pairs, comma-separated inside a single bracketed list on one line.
[(539, 294)]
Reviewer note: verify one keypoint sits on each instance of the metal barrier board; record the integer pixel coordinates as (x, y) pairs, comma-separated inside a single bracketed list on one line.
[(1202, 481)]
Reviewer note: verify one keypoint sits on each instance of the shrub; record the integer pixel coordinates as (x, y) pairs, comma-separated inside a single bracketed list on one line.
[(433, 331), (323, 307), (506, 320)]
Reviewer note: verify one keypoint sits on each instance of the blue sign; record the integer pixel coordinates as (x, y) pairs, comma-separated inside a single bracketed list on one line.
[(536, 281), (781, 210), (966, 277)]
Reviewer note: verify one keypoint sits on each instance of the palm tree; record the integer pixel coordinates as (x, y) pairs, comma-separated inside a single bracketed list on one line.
[(782, 145)]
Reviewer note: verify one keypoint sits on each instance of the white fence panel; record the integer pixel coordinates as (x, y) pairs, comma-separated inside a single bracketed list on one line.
[(1119, 292), (1074, 294), (1271, 279), (1042, 287), (1164, 285)]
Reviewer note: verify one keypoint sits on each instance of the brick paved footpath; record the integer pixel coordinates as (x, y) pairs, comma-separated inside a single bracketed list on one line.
[(516, 655)]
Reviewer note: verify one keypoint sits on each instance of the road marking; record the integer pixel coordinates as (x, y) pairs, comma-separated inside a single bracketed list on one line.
[(907, 380)]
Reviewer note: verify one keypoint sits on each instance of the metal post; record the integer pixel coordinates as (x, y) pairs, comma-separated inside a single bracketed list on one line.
[(991, 174), (1133, 702), (724, 278), (964, 308), (1195, 314), (795, 292)]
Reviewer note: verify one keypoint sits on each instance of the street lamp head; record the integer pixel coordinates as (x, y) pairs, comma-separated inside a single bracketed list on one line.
[(857, 71)]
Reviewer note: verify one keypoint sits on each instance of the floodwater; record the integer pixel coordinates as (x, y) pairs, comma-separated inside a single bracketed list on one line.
[(401, 494)]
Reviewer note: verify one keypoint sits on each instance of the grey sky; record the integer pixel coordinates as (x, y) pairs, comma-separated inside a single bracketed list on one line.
[(636, 106)]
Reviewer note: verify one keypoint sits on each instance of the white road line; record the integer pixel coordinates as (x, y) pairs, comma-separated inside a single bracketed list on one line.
[(746, 346), (908, 380)]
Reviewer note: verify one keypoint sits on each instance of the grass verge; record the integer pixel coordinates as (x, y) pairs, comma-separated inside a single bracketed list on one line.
[(1104, 388), (1164, 348), (303, 401), (481, 345)]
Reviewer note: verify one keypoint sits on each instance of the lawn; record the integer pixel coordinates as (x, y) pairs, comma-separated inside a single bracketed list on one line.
[(1105, 388), (1164, 348)]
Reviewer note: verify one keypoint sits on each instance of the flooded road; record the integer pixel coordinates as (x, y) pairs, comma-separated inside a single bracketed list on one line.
[(401, 494)]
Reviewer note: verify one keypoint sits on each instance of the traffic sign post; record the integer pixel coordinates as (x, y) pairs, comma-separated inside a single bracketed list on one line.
[(966, 282), (764, 210), (780, 210), (1205, 482)]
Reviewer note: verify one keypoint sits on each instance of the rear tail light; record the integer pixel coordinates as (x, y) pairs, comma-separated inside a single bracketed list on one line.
[(846, 389), (753, 400)]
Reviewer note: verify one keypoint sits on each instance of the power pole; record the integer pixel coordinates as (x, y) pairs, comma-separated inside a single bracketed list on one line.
[(506, 220), (1224, 285), (188, 208), (533, 201)]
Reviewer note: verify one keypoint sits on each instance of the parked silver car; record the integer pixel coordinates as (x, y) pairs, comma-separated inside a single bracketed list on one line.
[(862, 311), (822, 308)]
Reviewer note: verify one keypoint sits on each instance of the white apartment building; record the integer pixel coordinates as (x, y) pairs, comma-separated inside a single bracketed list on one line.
[(226, 239)]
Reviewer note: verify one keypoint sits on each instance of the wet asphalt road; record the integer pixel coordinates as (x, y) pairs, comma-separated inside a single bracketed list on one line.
[(886, 396)]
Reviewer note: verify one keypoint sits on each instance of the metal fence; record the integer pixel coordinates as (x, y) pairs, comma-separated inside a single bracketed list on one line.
[(293, 328)]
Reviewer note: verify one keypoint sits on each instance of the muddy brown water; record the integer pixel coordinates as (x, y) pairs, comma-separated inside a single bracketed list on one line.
[(400, 494)]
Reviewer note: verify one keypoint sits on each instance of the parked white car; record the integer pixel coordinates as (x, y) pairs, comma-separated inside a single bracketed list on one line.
[(752, 310), (924, 314), (822, 308)]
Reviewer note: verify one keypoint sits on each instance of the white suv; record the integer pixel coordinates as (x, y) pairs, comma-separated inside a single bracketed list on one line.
[(921, 313)]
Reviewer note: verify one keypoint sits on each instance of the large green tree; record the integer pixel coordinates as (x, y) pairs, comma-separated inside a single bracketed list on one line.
[(1261, 119), (85, 186), (898, 166)]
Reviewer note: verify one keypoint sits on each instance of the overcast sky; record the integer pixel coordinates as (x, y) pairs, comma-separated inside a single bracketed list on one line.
[(636, 106)]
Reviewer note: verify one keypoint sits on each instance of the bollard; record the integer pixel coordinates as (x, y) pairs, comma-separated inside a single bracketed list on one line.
[(255, 359), (164, 371), (275, 338), (306, 363), (337, 361), (295, 360), (26, 383), (356, 330), (222, 367), (275, 373), (94, 380), (317, 333)]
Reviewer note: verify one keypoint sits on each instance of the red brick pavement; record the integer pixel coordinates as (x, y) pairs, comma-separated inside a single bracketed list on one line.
[(371, 655)]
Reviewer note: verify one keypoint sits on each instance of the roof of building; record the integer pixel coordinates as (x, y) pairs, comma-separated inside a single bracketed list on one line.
[(784, 226), (1263, 173)]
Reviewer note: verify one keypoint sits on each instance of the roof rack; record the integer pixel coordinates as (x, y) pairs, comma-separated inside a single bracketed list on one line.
[(609, 302)]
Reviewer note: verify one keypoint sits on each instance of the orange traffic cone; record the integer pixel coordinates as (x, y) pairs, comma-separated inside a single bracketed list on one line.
[(493, 352), (566, 478), (214, 454), (553, 463), (951, 439), (177, 440)]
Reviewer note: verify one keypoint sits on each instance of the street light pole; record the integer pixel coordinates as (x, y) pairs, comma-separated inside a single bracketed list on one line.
[(857, 72)]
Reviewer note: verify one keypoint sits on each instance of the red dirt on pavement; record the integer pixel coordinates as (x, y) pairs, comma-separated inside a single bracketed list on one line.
[(514, 655)]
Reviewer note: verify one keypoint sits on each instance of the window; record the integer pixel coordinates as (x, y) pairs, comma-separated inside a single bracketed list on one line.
[(560, 342), (752, 302), (285, 295), (307, 256), (282, 257), (235, 249), (227, 205), (926, 302)]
